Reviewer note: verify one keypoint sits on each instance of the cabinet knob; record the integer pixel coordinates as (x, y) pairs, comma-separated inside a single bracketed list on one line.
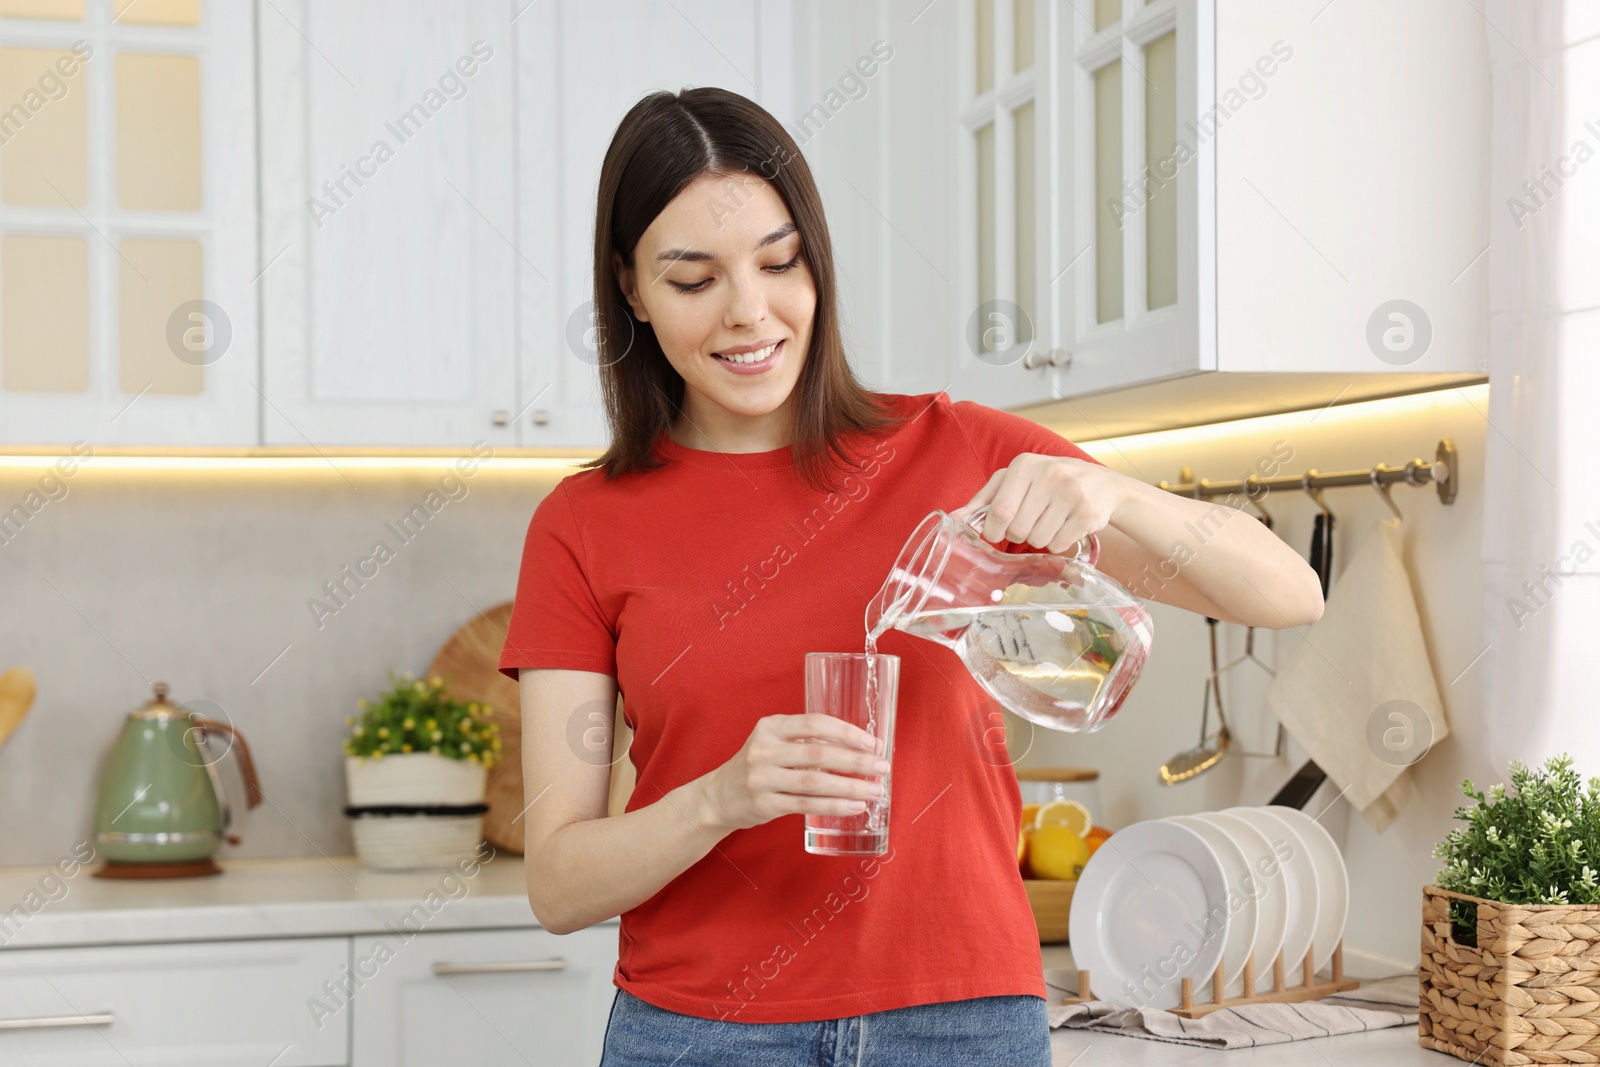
[(500, 417), (541, 417)]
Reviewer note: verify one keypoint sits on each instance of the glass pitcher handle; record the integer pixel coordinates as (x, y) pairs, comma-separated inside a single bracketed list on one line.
[(975, 520)]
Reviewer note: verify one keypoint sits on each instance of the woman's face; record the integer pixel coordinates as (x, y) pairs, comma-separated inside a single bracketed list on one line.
[(719, 272)]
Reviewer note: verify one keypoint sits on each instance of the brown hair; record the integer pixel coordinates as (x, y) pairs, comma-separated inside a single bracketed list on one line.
[(665, 142)]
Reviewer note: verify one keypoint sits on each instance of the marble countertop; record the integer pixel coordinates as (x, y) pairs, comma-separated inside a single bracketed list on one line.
[(318, 896), (1395, 1046)]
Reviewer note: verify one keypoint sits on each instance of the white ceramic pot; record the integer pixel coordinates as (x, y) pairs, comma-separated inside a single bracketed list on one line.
[(413, 841), (414, 778)]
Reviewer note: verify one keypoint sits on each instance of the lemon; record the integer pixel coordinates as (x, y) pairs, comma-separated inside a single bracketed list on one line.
[(1055, 851), (1029, 811), (1022, 847), (1069, 813)]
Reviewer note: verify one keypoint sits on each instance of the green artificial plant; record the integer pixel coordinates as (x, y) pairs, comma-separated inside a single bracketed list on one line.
[(417, 716), (1539, 844)]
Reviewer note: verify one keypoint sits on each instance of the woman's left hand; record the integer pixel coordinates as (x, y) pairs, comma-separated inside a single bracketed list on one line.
[(1049, 502)]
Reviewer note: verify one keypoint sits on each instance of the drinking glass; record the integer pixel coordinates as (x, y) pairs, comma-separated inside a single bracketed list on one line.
[(837, 684)]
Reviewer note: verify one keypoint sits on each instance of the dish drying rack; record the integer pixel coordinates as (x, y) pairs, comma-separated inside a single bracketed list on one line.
[(1310, 986)]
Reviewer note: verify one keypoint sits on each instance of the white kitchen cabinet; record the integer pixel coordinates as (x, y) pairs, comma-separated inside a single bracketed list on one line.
[(426, 179), (581, 67), (429, 286), (484, 997), (1203, 208), (388, 228), (205, 1004), (128, 225)]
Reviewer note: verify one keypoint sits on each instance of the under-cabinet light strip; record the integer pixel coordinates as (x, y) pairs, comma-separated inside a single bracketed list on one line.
[(1476, 396), (101, 461)]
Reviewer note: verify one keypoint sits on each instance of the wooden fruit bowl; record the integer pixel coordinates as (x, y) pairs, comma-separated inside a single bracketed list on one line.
[(1051, 899)]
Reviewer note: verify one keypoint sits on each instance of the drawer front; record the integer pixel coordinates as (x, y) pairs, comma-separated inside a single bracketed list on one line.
[(204, 1004), (484, 997)]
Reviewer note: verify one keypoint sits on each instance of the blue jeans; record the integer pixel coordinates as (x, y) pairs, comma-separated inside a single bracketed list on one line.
[(1005, 1031)]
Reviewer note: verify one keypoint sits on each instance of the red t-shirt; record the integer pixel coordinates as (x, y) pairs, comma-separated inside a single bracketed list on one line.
[(701, 586)]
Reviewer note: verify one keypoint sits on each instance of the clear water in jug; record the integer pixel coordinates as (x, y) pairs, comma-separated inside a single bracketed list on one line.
[(1048, 636)]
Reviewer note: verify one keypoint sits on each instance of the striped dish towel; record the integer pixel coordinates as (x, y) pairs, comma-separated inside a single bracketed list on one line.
[(1376, 1004)]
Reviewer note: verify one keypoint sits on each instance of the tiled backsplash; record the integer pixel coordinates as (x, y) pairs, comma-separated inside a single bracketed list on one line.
[(244, 590)]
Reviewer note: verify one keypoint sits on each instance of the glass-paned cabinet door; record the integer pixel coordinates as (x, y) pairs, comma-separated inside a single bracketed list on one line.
[(1004, 318), (127, 223), (1134, 124)]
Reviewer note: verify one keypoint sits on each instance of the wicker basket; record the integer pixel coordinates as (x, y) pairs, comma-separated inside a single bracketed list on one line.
[(1529, 992), (415, 842)]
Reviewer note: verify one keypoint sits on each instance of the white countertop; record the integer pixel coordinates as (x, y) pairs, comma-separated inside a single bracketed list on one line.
[(336, 896), (313, 897), (1393, 1047)]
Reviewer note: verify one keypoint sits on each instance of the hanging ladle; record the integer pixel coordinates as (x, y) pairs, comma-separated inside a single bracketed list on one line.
[(1208, 753)]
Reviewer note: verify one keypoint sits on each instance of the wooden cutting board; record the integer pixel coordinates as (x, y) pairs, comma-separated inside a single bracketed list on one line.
[(469, 664), (17, 689)]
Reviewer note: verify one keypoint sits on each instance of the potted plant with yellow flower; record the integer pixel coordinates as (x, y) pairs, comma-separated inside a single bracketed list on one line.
[(416, 768)]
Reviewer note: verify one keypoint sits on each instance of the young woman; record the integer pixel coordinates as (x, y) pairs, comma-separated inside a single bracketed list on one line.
[(751, 502)]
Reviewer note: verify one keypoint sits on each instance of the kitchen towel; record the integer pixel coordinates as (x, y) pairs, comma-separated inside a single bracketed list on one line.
[(1374, 1005), (1358, 691)]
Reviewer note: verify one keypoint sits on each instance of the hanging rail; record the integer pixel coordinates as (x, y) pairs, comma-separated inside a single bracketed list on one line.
[(1441, 472)]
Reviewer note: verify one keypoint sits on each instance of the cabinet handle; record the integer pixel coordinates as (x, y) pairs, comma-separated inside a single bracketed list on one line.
[(105, 1018), (554, 963), (500, 417), (1056, 357)]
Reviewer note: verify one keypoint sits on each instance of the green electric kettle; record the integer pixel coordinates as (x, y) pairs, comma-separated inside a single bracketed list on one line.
[(162, 811)]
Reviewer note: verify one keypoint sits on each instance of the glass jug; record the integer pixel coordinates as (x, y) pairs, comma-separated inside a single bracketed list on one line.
[(1048, 636)]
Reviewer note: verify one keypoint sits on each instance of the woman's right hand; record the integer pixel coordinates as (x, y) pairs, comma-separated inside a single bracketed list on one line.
[(793, 763)]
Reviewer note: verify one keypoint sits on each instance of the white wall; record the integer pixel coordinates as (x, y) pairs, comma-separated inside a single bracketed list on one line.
[(1545, 305)]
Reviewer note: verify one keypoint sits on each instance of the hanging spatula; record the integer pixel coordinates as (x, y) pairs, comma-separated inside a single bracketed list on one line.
[(17, 688)]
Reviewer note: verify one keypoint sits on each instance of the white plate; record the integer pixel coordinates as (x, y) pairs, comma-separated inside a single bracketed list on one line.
[(1243, 911), (1139, 915), (1272, 903), (1300, 883), (1333, 881)]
